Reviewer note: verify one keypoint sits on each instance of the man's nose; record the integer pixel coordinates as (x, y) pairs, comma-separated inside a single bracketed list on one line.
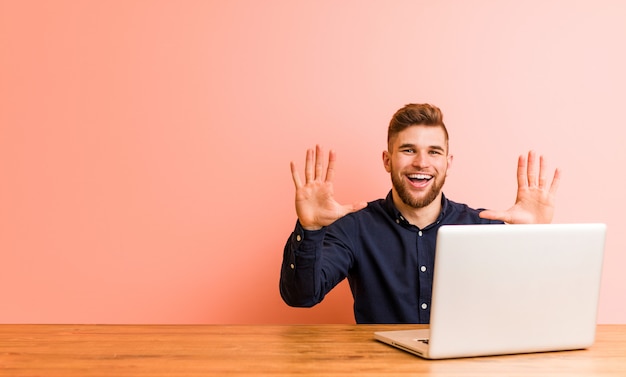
[(420, 159)]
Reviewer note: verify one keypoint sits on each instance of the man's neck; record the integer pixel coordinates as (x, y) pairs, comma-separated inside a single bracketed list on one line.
[(420, 217)]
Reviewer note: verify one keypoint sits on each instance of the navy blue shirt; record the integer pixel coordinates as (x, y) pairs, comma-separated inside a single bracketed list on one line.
[(388, 262)]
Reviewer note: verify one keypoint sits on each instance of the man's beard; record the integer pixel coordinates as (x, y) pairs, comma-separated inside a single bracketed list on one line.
[(408, 199)]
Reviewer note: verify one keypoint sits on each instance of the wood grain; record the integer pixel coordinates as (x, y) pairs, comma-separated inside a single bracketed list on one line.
[(272, 350)]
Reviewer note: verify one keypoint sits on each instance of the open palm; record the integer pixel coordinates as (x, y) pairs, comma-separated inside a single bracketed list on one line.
[(535, 200), (315, 203)]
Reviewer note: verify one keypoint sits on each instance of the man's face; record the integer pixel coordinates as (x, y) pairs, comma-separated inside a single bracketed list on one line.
[(418, 162)]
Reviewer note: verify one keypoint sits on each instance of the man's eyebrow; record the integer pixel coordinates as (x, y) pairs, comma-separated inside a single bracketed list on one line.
[(435, 147)]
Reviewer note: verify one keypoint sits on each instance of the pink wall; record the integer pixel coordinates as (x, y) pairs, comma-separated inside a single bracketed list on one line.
[(145, 145)]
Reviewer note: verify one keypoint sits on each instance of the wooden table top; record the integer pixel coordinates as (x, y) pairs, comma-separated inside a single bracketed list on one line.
[(270, 350)]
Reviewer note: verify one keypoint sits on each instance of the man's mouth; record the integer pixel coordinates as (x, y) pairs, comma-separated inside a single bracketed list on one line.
[(419, 179)]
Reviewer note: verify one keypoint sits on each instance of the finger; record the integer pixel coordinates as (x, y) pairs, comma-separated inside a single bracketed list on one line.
[(330, 171), (319, 163), (295, 175), (555, 182), (522, 180), (532, 169), (542, 172), (309, 166)]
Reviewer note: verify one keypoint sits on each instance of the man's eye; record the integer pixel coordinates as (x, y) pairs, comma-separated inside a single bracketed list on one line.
[(408, 150)]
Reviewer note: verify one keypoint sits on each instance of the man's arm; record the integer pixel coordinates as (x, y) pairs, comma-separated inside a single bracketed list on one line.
[(314, 262), (535, 199), (312, 265)]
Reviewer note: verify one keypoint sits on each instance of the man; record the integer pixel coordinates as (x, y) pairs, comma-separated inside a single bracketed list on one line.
[(386, 248)]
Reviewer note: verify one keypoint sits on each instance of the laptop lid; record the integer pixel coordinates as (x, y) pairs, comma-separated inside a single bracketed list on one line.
[(501, 289)]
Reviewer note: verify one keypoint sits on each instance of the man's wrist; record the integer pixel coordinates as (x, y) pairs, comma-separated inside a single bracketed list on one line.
[(310, 227)]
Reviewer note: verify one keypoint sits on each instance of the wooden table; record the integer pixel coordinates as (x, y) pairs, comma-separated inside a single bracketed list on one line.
[(269, 350)]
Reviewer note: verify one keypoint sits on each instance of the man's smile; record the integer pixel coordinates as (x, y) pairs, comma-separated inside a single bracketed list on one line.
[(419, 179)]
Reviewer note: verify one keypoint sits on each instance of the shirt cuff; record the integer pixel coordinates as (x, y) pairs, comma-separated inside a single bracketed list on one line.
[(305, 240)]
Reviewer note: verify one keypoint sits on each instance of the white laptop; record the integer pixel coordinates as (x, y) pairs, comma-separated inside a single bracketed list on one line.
[(504, 289)]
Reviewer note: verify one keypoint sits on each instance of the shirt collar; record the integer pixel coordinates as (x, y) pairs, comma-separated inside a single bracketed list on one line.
[(391, 209)]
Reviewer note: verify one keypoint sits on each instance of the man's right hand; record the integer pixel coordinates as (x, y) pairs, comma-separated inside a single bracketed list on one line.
[(315, 204)]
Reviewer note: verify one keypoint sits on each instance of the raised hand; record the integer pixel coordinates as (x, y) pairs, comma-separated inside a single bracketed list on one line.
[(315, 204), (535, 199)]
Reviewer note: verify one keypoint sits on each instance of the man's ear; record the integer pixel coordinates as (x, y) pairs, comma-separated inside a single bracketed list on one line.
[(387, 161), (450, 158)]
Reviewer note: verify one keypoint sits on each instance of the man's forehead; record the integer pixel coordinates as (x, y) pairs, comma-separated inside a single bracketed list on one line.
[(420, 135)]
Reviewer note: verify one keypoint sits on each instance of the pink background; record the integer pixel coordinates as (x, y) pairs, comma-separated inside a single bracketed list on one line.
[(145, 145)]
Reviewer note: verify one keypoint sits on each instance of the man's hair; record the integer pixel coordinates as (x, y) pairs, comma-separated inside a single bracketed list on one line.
[(415, 114)]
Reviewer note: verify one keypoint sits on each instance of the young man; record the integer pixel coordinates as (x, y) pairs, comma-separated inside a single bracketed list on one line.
[(386, 248)]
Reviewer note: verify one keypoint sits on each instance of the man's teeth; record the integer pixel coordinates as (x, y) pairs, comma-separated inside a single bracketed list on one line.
[(420, 176)]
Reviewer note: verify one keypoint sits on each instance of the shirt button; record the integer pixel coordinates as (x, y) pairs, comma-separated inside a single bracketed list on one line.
[(292, 266), (420, 233), (397, 221), (423, 268), (298, 238), (424, 306)]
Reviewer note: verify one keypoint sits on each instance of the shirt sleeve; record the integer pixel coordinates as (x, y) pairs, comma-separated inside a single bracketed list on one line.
[(314, 262)]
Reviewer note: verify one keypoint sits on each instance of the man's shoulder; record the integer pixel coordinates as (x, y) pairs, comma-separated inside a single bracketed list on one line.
[(461, 213), (461, 207)]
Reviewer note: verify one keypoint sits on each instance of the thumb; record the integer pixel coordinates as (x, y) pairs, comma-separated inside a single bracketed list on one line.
[(354, 207), (495, 215)]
